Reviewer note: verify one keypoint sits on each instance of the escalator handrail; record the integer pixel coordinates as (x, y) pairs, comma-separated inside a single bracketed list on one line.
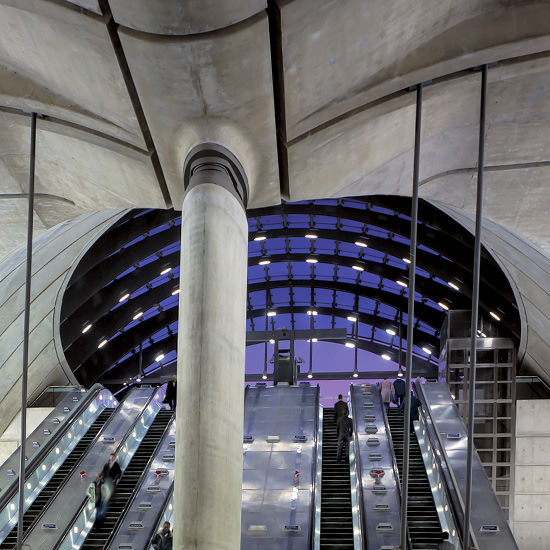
[(81, 507), (394, 460), (142, 480), (313, 475), (38, 457), (456, 513), (358, 469), (63, 483)]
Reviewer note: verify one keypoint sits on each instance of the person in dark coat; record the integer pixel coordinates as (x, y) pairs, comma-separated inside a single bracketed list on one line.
[(340, 407), (171, 393), (163, 539), (415, 415), (400, 388), (111, 470), (344, 430)]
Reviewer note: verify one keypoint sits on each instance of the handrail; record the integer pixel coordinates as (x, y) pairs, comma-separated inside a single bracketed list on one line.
[(38, 457), (447, 469), (83, 505), (392, 452), (316, 543), (311, 533), (358, 471)]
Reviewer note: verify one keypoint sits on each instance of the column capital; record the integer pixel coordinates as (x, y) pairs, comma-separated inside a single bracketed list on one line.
[(214, 163)]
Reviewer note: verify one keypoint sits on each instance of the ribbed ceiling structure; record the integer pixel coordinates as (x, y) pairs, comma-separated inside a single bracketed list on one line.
[(342, 261)]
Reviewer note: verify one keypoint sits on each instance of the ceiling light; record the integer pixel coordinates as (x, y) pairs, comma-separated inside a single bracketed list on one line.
[(484, 335), (271, 313), (350, 345), (101, 344), (166, 270), (264, 376), (443, 306), (406, 260), (494, 316), (137, 315), (310, 375), (311, 260), (355, 375), (264, 262), (427, 350), (311, 312), (400, 374), (358, 268), (175, 291), (362, 244), (271, 341), (352, 318), (386, 357), (260, 238), (453, 285), (86, 328), (401, 283), (159, 357), (124, 297), (138, 379), (310, 236), (390, 331)]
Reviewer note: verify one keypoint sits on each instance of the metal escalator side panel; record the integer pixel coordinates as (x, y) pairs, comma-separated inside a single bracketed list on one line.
[(74, 427), (356, 484), (432, 465), (151, 497), (381, 507), (278, 474), (316, 538), (452, 434), (37, 442), (81, 525), (70, 497)]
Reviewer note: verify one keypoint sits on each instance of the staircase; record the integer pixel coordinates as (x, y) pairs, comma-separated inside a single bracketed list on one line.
[(99, 536), (336, 514), (422, 519), (62, 473)]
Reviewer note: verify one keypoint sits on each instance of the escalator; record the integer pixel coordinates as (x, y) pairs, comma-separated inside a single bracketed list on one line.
[(99, 535), (58, 478), (336, 513), (422, 519)]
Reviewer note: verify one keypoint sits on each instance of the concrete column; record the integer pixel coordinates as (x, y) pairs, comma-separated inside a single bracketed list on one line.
[(211, 353)]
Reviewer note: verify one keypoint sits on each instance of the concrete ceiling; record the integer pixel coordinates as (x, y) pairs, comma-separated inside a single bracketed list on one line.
[(311, 95)]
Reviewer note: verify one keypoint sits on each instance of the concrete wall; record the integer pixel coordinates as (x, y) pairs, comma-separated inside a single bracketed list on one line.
[(11, 438), (528, 270), (54, 255), (532, 487)]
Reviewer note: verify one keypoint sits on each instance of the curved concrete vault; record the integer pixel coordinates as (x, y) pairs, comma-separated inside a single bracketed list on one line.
[(313, 97)]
